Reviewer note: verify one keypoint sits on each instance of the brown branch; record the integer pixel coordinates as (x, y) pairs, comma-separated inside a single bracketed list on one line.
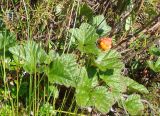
[(154, 27), (147, 25), (139, 31), (139, 7)]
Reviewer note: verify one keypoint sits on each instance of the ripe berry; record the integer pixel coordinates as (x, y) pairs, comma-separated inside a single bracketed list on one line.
[(105, 43)]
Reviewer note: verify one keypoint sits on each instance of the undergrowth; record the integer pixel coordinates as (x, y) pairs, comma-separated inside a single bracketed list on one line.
[(74, 57)]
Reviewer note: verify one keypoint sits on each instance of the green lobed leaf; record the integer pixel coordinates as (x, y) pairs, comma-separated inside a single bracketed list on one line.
[(31, 54), (102, 99), (134, 105), (134, 86), (83, 90), (85, 37), (98, 97), (109, 60), (100, 23), (83, 96), (89, 94), (85, 78), (61, 70), (114, 80)]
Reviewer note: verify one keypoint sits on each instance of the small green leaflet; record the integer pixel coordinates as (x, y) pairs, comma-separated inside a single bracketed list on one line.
[(134, 86), (134, 105)]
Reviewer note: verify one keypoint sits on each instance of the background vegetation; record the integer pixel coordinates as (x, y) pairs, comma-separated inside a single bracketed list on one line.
[(52, 61)]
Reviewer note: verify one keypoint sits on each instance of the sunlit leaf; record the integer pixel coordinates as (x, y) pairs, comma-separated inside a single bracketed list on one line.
[(114, 80), (134, 105), (83, 90), (85, 38), (31, 53), (61, 70), (98, 97), (89, 94), (134, 86), (109, 60), (102, 99)]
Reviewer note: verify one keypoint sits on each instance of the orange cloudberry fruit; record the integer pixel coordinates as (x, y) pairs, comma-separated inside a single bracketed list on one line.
[(105, 43)]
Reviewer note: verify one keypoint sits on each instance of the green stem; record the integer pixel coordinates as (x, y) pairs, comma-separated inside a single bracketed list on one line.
[(17, 92), (4, 65), (35, 96), (69, 113), (44, 89), (13, 113), (38, 94), (65, 44), (73, 26), (30, 94)]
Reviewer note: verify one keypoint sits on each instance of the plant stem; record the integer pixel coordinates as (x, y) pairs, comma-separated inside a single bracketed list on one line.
[(73, 24), (4, 65), (60, 111), (17, 92), (30, 94), (70, 19), (147, 25), (35, 96), (28, 21), (38, 94)]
